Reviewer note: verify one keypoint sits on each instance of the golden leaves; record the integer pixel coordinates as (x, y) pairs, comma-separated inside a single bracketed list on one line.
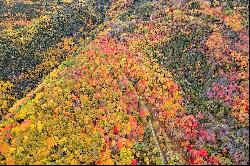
[(39, 126), (5, 95), (4, 148), (234, 22), (215, 41), (10, 161), (51, 142)]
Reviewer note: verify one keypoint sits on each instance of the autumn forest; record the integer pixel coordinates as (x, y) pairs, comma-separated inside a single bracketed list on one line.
[(124, 82)]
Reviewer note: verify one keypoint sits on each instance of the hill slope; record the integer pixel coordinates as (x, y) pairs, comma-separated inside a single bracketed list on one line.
[(159, 84), (30, 52)]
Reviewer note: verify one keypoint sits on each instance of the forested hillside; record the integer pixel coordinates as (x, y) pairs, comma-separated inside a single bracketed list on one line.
[(130, 82)]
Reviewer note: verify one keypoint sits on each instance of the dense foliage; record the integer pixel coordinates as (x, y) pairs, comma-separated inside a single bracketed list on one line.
[(29, 53), (155, 82)]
